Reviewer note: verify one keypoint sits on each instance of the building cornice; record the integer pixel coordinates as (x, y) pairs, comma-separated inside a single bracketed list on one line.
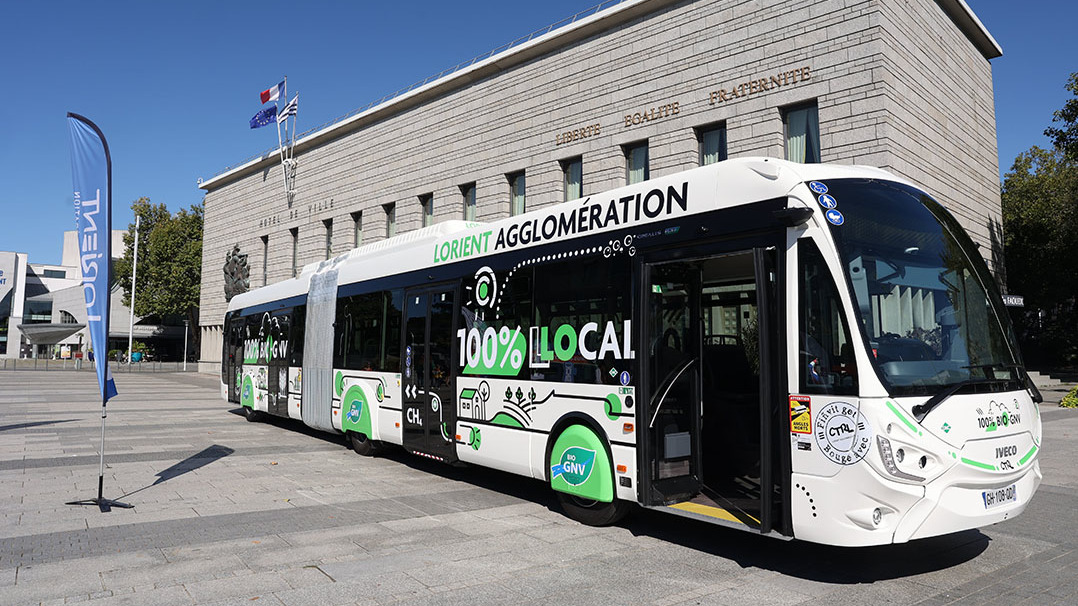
[(968, 23)]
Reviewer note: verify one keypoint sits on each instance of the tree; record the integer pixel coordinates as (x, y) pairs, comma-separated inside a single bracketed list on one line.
[(1066, 138), (169, 263), (1040, 223)]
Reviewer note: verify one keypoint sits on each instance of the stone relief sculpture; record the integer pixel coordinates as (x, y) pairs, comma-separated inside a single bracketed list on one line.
[(237, 274)]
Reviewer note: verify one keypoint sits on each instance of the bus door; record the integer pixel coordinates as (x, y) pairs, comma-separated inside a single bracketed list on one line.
[(232, 335), (277, 361), (430, 416), (708, 323)]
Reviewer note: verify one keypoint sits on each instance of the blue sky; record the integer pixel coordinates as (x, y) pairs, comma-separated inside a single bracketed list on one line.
[(172, 85)]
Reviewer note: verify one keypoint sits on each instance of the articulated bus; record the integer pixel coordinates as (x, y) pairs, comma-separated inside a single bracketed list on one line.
[(803, 351)]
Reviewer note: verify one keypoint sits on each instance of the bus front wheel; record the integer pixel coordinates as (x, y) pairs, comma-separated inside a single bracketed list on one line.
[(251, 414), (592, 513), (363, 445)]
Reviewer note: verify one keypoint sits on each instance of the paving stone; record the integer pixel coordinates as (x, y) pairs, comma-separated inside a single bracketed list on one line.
[(433, 535)]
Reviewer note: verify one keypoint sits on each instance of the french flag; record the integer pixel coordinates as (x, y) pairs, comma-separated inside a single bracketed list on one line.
[(272, 93)]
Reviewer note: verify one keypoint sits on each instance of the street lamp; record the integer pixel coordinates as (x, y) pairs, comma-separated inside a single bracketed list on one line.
[(185, 323)]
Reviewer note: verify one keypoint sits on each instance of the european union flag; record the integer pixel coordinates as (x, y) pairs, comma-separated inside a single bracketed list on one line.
[(264, 117)]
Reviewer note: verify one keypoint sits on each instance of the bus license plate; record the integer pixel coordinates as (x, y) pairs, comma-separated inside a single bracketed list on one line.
[(1000, 496)]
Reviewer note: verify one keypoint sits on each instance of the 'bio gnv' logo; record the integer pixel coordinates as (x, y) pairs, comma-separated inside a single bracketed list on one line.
[(575, 467), (355, 410)]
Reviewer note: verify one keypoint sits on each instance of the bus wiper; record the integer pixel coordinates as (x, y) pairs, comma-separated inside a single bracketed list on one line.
[(921, 410), (1022, 377), (1027, 382)]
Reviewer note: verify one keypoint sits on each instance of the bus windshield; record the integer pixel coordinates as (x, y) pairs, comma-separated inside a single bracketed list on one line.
[(921, 290)]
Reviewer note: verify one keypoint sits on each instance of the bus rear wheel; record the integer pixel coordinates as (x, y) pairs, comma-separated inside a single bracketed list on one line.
[(251, 414), (592, 513), (363, 445)]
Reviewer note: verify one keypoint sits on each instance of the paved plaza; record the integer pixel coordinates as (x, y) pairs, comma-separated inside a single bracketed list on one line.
[(231, 512)]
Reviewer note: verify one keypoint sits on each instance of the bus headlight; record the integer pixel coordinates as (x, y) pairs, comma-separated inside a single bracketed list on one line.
[(889, 464)]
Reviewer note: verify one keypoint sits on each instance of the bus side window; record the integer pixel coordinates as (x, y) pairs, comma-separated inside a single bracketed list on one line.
[(826, 363), (359, 331), (578, 294), (295, 339), (391, 342)]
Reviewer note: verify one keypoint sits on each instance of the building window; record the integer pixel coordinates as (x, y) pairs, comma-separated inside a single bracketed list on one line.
[(573, 175), (265, 258), (391, 219), (37, 312), (426, 204), (329, 237), (516, 194), (712, 143), (468, 191), (636, 162), (54, 273), (802, 125), (357, 229), (295, 248)]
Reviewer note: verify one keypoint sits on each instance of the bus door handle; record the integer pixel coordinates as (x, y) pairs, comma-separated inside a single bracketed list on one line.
[(669, 385)]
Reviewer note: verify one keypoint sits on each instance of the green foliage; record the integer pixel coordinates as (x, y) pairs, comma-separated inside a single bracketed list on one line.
[(1040, 217), (1071, 399), (169, 262), (1066, 138), (1040, 223), (1040, 220)]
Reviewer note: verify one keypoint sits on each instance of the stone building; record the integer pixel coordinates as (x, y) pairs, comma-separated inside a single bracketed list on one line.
[(641, 88)]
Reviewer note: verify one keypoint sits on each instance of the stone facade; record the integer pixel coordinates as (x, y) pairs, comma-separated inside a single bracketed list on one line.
[(905, 86)]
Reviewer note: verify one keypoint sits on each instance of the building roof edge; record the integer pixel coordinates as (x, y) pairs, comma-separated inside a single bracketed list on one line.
[(967, 21)]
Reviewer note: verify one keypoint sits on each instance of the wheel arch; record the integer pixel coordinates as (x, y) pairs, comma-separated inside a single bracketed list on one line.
[(568, 420)]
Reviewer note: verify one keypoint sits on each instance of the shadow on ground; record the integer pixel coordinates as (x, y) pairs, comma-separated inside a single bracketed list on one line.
[(33, 424), (822, 563), (296, 426), (200, 459)]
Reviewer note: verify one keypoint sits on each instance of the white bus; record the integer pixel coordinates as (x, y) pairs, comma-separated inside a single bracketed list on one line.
[(804, 351)]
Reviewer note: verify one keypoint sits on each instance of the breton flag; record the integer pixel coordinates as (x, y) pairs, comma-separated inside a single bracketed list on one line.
[(273, 92), (264, 117), (91, 173), (289, 109)]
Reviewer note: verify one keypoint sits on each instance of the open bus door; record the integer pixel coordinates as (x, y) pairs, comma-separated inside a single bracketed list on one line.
[(709, 414), (232, 336)]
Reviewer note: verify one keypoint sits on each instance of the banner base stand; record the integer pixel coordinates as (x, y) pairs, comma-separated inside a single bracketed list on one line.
[(105, 505)]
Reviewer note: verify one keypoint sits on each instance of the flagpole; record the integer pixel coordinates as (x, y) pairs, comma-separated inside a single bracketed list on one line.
[(285, 148)]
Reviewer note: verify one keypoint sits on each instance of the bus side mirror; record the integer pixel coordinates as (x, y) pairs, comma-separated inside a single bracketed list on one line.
[(792, 217)]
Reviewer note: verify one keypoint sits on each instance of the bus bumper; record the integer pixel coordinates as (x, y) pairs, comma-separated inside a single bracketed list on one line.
[(953, 503), (841, 510)]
